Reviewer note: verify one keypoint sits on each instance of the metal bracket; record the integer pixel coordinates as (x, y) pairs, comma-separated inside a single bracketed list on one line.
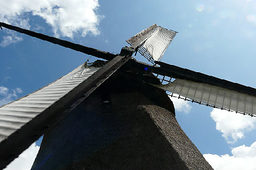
[(127, 51)]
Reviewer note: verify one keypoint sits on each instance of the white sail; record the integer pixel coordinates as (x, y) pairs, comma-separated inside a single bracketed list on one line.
[(213, 96), (20, 112), (152, 42)]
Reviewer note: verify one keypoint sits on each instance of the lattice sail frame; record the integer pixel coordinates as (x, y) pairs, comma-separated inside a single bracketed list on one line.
[(152, 42), (209, 95)]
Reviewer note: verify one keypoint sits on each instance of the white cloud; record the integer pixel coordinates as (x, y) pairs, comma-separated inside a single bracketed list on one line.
[(19, 90), (11, 36), (200, 8), (232, 125), (65, 18), (181, 105), (251, 18), (231, 11), (9, 39), (3, 90), (7, 95), (25, 160), (243, 157)]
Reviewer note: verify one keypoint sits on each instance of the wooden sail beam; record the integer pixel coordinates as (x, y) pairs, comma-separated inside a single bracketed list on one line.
[(67, 44), (187, 74)]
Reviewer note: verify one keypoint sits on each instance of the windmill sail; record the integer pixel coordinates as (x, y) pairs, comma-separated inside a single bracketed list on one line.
[(152, 42), (214, 96), (16, 114), (208, 90), (24, 120)]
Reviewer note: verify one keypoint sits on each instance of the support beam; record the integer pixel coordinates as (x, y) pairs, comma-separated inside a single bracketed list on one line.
[(67, 44)]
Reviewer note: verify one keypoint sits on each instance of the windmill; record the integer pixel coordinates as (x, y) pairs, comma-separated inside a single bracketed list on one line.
[(24, 120)]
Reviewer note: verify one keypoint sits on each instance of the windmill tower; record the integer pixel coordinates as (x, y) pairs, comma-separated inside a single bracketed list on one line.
[(116, 114)]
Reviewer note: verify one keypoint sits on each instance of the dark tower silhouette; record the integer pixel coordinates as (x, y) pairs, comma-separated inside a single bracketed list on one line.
[(124, 124)]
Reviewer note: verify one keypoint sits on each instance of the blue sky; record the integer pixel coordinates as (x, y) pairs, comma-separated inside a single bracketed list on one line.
[(215, 37)]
